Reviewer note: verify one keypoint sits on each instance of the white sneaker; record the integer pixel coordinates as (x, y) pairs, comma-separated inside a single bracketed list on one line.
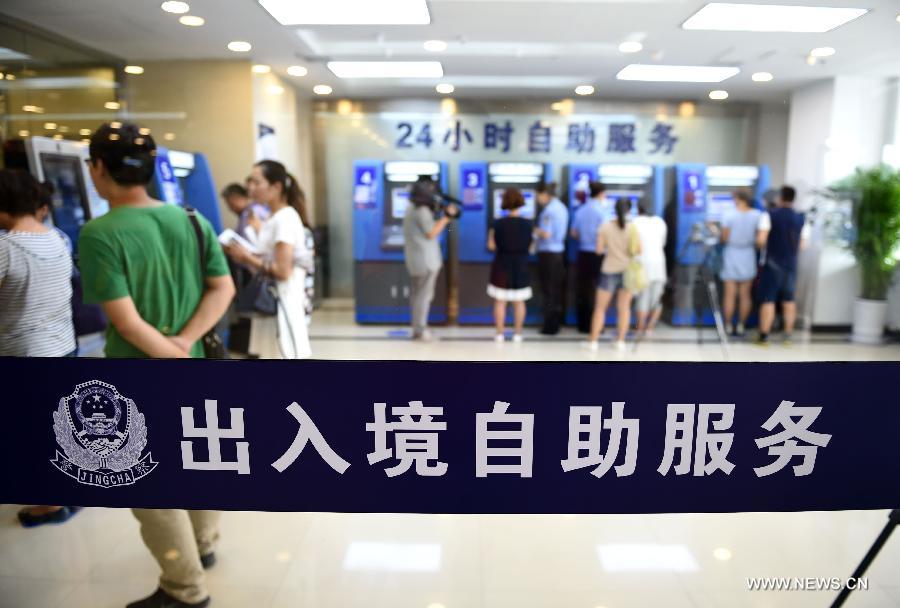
[(517, 338), (593, 345), (499, 339), (620, 345)]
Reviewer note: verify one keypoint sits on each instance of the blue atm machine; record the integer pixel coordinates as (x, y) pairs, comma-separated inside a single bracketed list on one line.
[(381, 282), (184, 178), (631, 181), (703, 196), (481, 187)]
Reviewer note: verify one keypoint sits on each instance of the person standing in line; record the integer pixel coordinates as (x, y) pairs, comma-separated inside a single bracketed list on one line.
[(787, 235), (422, 251), (250, 215), (551, 243), (282, 240), (652, 231), (742, 233), (510, 238), (615, 239), (141, 263), (585, 224)]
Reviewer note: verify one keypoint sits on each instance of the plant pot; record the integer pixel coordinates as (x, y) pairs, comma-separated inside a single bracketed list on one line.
[(869, 318)]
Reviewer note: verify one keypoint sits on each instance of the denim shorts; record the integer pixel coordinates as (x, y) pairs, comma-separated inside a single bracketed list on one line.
[(611, 282), (777, 283)]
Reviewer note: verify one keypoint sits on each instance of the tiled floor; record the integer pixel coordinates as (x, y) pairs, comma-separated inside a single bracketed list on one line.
[(324, 560)]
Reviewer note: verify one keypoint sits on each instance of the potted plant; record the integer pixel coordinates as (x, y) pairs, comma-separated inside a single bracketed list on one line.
[(875, 195)]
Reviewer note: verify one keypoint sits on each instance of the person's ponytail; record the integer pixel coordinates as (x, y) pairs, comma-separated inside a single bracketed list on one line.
[(296, 198), (623, 206)]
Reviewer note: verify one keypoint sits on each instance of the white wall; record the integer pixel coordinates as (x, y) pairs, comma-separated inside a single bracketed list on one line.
[(772, 142)]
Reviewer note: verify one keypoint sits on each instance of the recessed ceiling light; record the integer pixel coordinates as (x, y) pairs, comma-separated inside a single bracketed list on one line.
[(192, 20), (57, 137), (239, 46), (112, 105), (134, 69), (386, 69), (435, 46), (260, 68), (173, 6), (84, 132), (822, 51), (169, 137), (85, 141), (322, 89), (276, 89), (24, 133), (64, 129), (33, 109), (762, 77), (445, 88), (297, 70), (10, 76), (732, 17), (50, 126), (348, 12), (584, 89), (718, 95), (115, 125), (676, 73), (631, 47), (144, 131)]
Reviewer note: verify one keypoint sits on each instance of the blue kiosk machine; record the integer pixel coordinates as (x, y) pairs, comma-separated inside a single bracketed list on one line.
[(184, 178), (381, 282), (703, 196), (632, 181), (481, 187)]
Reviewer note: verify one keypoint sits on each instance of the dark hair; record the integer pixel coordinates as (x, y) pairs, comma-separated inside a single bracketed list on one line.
[(788, 194), (548, 188), (423, 191), (276, 173), (644, 207), (234, 189), (512, 199), (596, 188), (20, 193), (623, 206), (743, 194), (127, 151), (46, 191)]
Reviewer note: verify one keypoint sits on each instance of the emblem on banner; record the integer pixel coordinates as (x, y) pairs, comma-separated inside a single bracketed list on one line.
[(102, 435)]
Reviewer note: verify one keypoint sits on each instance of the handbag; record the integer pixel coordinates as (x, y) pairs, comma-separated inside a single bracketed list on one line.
[(635, 275), (213, 345), (259, 295)]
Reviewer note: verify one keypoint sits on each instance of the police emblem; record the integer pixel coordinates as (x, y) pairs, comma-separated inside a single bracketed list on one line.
[(103, 436)]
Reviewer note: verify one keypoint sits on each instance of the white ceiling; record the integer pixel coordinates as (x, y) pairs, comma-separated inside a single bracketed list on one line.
[(497, 48)]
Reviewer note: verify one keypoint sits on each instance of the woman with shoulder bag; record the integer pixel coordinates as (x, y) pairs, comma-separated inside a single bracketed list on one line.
[(278, 330), (618, 242)]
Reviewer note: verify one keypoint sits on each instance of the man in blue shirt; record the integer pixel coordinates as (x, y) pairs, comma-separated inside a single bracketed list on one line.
[(779, 275), (585, 224), (550, 234)]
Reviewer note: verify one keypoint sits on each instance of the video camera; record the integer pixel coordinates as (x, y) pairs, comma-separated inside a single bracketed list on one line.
[(425, 191)]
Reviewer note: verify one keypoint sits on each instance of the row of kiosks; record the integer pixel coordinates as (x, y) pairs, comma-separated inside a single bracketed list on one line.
[(481, 188), (703, 196), (381, 192), (63, 164), (633, 182), (185, 179)]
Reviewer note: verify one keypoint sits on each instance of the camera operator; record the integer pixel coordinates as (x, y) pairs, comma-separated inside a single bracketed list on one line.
[(421, 250)]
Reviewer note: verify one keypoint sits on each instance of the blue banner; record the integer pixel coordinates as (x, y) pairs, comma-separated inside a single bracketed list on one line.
[(440, 437)]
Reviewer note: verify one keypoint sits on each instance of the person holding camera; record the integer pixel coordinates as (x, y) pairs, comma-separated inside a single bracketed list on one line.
[(422, 251)]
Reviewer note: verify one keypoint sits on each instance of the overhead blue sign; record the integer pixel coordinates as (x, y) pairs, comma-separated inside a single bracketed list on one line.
[(451, 437)]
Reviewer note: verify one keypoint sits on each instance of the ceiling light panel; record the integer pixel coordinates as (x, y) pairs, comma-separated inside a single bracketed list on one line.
[(676, 73), (386, 69), (732, 17), (348, 12)]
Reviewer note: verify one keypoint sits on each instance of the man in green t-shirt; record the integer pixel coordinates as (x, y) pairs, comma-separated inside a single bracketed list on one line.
[(141, 263)]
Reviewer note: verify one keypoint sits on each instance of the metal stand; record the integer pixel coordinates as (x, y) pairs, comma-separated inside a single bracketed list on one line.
[(706, 277), (893, 522)]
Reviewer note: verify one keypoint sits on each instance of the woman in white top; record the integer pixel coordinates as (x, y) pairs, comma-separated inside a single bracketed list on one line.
[(652, 232), (284, 257)]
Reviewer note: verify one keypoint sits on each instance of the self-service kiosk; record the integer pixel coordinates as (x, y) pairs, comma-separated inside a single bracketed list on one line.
[(62, 164), (381, 193), (184, 178), (634, 182), (702, 198), (481, 188)]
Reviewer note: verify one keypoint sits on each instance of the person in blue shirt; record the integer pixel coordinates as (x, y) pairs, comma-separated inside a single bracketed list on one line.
[(586, 222), (550, 234), (779, 274)]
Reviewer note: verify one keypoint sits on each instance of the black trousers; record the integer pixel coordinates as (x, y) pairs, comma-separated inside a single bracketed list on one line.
[(552, 276), (587, 275)]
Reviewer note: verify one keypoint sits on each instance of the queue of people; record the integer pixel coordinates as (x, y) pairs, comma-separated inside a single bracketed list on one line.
[(619, 260)]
